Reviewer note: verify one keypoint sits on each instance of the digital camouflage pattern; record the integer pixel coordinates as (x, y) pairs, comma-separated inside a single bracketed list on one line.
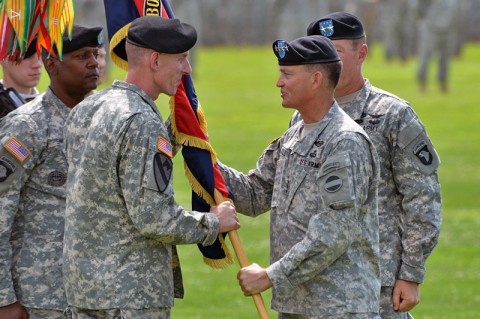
[(33, 175), (322, 193), (409, 197), (121, 217)]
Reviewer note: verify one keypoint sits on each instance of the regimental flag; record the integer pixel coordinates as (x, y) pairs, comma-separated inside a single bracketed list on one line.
[(208, 185), (23, 20), (120, 13), (188, 122)]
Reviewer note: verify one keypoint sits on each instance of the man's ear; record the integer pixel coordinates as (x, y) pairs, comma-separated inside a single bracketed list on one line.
[(362, 53), (154, 60), (50, 65), (317, 79)]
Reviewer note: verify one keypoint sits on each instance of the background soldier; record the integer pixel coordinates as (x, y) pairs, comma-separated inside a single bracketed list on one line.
[(438, 33), (20, 79), (33, 173), (409, 198)]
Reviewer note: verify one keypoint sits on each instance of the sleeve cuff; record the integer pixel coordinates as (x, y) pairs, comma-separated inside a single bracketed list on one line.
[(414, 274), (278, 277), (211, 222), (7, 297)]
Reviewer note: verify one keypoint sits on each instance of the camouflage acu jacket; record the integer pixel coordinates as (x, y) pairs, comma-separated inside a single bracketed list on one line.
[(121, 217), (33, 173), (409, 197), (322, 193)]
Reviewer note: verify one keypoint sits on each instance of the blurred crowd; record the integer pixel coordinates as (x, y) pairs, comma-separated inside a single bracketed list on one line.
[(424, 29)]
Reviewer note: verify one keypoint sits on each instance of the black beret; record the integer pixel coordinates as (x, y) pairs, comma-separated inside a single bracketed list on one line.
[(337, 26), (32, 49), (162, 34), (82, 36), (306, 50)]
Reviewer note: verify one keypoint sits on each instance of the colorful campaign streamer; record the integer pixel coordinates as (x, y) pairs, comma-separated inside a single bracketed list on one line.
[(21, 21)]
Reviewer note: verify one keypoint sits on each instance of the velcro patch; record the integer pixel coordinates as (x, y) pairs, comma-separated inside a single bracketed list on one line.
[(6, 168), (423, 153), (333, 184), (57, 178), (162, 170), (17, 149), (164, 147)]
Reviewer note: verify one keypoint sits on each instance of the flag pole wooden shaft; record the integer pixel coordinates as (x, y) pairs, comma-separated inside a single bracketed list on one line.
[(243, 260)]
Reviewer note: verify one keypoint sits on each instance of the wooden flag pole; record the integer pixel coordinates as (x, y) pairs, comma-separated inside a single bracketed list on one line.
[(243, 260)]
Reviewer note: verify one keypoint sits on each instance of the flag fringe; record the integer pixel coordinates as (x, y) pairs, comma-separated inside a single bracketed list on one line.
[(200, 191), (118, 37), (201, 118), (197, 187), (189, 140), (220, 263)]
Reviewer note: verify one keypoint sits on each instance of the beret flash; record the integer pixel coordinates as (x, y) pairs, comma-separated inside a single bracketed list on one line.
[(306, 50), (162, 34), (337, 26)]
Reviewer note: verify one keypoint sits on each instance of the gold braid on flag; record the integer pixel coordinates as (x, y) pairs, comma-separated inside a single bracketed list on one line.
[(197, 142), (194, 141), (116, 39)]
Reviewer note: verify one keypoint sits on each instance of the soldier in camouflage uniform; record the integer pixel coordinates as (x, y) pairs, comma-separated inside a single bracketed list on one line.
[(33, 173), (437, 36), (21, 78), (319, 179), (122, 221), (409, 202)]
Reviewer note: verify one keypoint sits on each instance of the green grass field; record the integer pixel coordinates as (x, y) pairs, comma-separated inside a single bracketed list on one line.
[(236, 87)]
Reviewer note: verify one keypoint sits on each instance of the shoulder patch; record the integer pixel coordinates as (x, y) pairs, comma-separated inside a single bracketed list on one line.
[(423, 153), (162, 170), (164, 146), (17, 149), (333, 184), (7, 167)]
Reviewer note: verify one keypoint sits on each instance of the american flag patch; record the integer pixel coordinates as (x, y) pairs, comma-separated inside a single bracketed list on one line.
[(17, 149), (164, 146)]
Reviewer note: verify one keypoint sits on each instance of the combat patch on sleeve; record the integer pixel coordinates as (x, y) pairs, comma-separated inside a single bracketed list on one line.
[(336, 182), (17, 149), (418, 148), (162, 170), (7, 167), (421, 150)]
